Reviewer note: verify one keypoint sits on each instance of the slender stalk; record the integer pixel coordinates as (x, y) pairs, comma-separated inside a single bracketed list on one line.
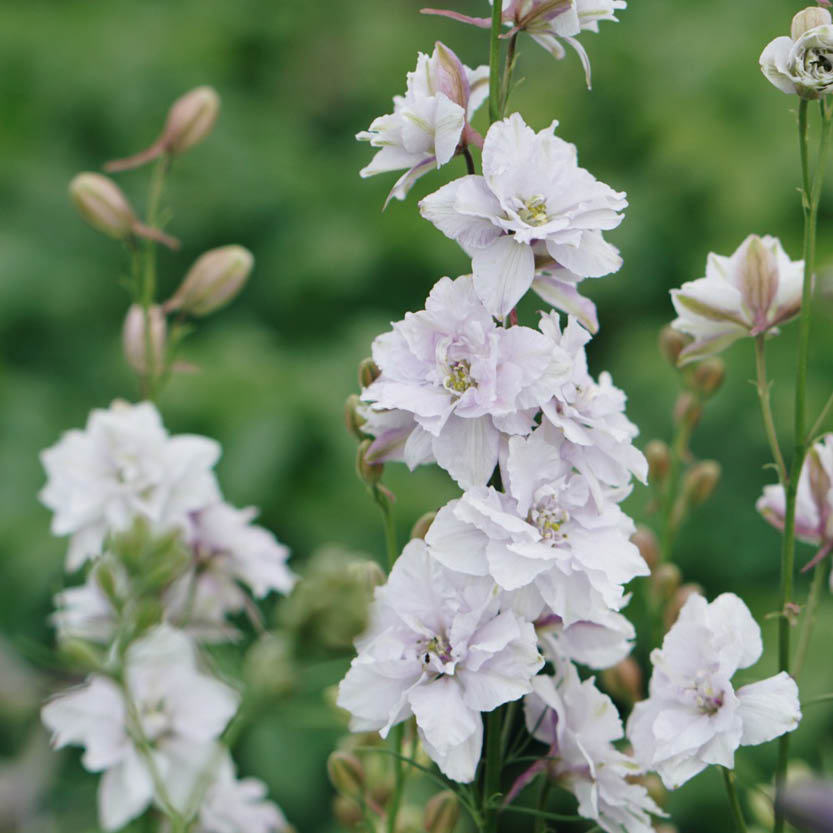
[(470, 169), (670, 524), (802, 148), (734, 803), (397, 733), (819, 698), (491, 780), (813, 432), (494, 63), (543, 793), (808, 620), (391, 545), (507, 73), (800, 449), (766, 409)]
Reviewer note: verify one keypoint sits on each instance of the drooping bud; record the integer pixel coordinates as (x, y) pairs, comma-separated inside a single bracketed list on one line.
[(370, 473), (666, 579), (441, 813), (658, 455), (671, 343), (368, 372), (353, 418), (212, 281), (624, 680), (347, 812), (189, 121), (708, 375), (448, 75), (368, 574), (808, 19), (135, 344), (105, 207), (346, 773), (422, 525), (646, 542), (700, 481), (687, 410)]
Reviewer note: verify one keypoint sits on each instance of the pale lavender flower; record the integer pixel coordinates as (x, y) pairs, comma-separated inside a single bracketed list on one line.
[(178, 709), (747, 293), (428, 124), (124, 466), (693, 716), (441, 647), (532, 191), (580, 725), (461, 380), (814, 500)]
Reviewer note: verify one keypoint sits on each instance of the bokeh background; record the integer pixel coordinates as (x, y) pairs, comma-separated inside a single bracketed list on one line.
[(679, 117)]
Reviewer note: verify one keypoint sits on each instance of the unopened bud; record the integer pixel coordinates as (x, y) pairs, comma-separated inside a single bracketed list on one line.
[(667, 828), (624, 680), (371, 473), (708, 375), (347, 812), (190, 119), (368, 574), (441, 813), (671, 343), (658, 456), (353, 417), (449, 76), (423, 524), (135, 343), (409, 820), (368, 372), (346, 773), (687, 410), (646, 542), (808, 19), (672, 610), (81, 655), (106, 580), (666, 579), (700, 481), (268, 669), (214, 279)]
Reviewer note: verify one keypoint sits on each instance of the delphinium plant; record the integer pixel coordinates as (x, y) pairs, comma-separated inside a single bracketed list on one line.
[(161, 566), (486, 637)]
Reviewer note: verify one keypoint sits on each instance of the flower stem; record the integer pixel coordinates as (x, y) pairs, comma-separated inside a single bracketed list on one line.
[(734, 803), (491, 780), (543, 793), (391, 545), (766, 410), (671, 519), (809, 619), (788, 551), (397, 734), (494, 63), (507, 73), (813, 432)]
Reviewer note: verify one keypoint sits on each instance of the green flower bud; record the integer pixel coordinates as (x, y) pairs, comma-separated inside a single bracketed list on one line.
[(347, 812), (666, 579), (368, 574), (370, 473), (268, 669), (671, 343), (700, 481), (133, 339), (81, 655), (212, 281), (353, 418), (422, 525), (646, 542), (441, 813), (368, 372), (658, 456), (346, 773), (687, 410), (708, 375)]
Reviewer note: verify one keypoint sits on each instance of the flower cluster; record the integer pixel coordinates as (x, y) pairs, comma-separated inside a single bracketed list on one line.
[(170, 561)]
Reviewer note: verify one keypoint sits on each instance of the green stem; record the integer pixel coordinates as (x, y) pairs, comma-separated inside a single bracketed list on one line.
[(819, 698), (766, 409), (734, 803), (543, 793), (809, 619), (391, 545), (802, 148), (491, 780), (670, 524), (813, 432), (494, 63), (507, 73), (397, 734), (800, 449)]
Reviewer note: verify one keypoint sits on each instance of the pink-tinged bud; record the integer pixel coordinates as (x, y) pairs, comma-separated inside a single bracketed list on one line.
[(370, 473), (700, 481), (135, 345), (346, 773), (423, 524), (646, 542), (448, 75), (671, 343), (808, 19), (687, 410), (758, 279), (441, 813), (353, 417), (658, 455), (666, 579), (672, 611), (819, 478), (347, 812), (624, 680), (368, 372), (214, 279), (708, 376), (189, 121)]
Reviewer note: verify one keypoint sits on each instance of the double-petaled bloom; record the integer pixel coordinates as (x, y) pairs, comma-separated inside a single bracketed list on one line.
[(532, 198), (693, 716), (747, 293)]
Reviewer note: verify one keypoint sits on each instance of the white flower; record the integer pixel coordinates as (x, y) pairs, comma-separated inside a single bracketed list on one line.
[(441, 647), (463, 378), (745, 294), (599, 643), (86, 612), (427, 124), (532, 190), (121, 467), (175, 707), (580, 724), (814, 500), (693, 716), (802, 64)]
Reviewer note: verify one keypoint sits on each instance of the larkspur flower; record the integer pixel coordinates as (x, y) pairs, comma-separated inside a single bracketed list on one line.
[(748, 293), (580, 725), (693, 716), (429, 122), (441, 647), (532, 192), (166, 699), (124, 466)]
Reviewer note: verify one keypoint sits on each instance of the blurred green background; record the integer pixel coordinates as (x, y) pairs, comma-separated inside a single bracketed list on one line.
[(679, 117)]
